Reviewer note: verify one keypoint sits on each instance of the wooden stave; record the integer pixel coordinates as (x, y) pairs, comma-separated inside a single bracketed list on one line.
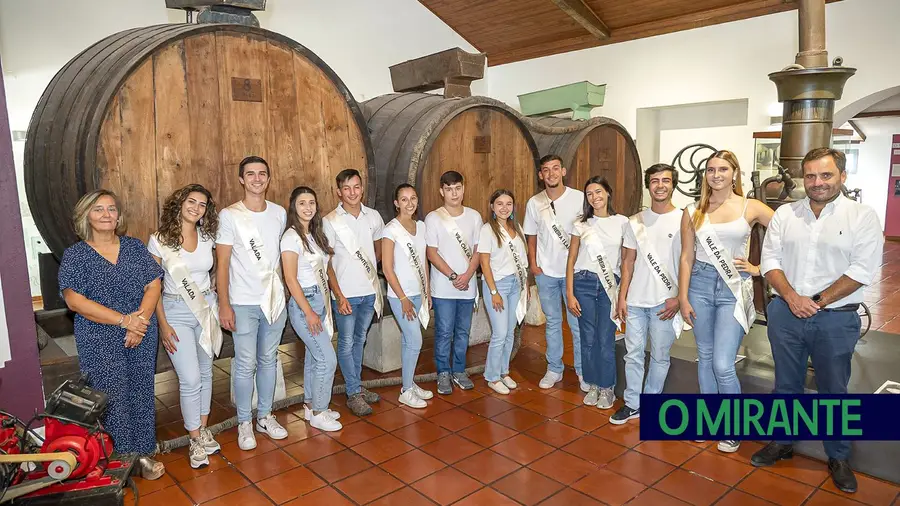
[(566, 146), (403, 161), (83, 153)]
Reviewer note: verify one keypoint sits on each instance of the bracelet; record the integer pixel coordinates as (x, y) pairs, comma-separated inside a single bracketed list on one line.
[(404, 298), (125, 326), (122, 319)]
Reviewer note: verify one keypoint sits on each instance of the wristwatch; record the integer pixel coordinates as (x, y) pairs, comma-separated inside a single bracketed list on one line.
[(453, 276), (494, 292), (817, 297)]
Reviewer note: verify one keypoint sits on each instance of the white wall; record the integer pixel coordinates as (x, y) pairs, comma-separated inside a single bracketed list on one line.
[(875, 163)]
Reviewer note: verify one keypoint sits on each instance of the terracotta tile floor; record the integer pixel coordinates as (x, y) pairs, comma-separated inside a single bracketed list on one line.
[(479, 448)]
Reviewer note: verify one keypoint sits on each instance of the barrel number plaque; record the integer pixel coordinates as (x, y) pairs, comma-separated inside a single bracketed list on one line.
[(246, 90), (482, 143)]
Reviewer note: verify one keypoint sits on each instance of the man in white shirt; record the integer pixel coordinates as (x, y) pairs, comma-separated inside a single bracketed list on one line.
[(451, 240), (652, 237), (354, 231), (251, 296), (549, 218), (818, 255)]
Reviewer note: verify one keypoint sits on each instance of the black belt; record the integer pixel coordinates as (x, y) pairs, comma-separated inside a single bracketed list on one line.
[(848, 308)]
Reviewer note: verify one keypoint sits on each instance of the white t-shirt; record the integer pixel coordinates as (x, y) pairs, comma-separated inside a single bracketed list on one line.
[(198, 262), (664, 236), (367, 228), (610, 230), (436, 236), (290, 241), (244, 287), (502, 263), (403, 266), (551, 254)]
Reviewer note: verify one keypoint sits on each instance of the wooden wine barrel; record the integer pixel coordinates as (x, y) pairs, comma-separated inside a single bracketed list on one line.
[(149, 110), (596, 147), (419, 136)]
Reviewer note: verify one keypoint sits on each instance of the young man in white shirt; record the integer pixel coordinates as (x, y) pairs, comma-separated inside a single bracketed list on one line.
[(549, 218), (819, 254), (251, 296), (653, 236), (451, 240), (354, 231)]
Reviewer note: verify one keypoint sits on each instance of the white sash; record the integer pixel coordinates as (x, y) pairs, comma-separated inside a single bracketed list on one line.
[(741, 288), (211, 335), (273, 303), (454, 231), (600, 266), (548, 215), (521, 275), (348, 239), (406, 243), (316, 260), (654, 263)]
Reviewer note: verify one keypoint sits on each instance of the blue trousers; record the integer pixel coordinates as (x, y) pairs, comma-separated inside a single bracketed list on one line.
[(255, 351), (352, 329), (192, 365), (503, 326), (598, 331), (410, 339), (452, 321), (830, 338), (320, 361), (552, 292)]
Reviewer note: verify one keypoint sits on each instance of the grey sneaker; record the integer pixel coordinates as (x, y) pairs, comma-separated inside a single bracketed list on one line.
[(358, 405), (591, 398), (606, 399), (462, 381), (198, 455), (445, 387), (370, 397), (729, 446), (208, 441)]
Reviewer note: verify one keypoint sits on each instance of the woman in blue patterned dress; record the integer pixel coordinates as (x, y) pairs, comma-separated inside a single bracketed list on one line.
[(113, 284)]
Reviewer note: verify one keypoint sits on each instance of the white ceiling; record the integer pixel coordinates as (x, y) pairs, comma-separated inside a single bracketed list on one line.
[(888, 104)]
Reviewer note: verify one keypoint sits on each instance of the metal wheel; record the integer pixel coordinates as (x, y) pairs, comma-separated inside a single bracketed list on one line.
[(865, 319)]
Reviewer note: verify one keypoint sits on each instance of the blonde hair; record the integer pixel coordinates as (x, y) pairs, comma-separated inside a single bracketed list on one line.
[(705, 192), (80, 216)]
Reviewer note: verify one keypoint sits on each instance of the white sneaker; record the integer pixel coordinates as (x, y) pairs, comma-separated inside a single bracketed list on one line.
[(421, 393), (499, 387), (307, 413), (208, 441), (412, 400), (325, 422), (550, 379), (198, 455), (584, 386), (246, 439), (509, 382), (606, 399), (591, 398), (269, 425)]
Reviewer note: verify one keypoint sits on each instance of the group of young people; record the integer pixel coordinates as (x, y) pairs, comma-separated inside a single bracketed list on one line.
[(652, 272)]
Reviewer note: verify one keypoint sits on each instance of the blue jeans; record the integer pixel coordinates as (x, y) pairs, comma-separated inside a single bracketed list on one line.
[(452, 321), (640, 322), (410, 339), (255, 351), (830, 338), (716, 330), (192, 365), (320, 362), (352, 329), (503, 326), (552, 292), (598, 331)]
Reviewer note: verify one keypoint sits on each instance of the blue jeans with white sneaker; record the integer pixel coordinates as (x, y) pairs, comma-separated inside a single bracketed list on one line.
[(503, 326), (552, 292), (410, 338), (640, 322), (352, 330), (321, 360), (255, 350)]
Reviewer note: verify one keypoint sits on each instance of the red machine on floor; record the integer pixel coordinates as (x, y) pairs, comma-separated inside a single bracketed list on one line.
[(72, 463)]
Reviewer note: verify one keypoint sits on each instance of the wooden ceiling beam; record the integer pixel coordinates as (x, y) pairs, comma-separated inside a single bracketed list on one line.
[(877, 114), (859, 132), (584, 16)]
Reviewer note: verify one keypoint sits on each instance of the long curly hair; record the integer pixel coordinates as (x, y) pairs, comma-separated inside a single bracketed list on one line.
[(316, 229), (169, 233)]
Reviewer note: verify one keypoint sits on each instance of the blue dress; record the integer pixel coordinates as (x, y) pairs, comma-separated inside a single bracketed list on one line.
[(126, 375)]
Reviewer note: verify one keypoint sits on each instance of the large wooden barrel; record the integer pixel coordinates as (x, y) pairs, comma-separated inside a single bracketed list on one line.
[(419, 136), (148, 110), (596, 147)]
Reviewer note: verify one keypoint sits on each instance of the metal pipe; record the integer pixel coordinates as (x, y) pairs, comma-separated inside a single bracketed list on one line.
[(811, 17)]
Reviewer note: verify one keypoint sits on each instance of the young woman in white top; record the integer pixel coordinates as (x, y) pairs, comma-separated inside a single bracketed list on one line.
[(186, 236), (726, 218), (305, 259), (409, 293), (504, 267), (592, 283)]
